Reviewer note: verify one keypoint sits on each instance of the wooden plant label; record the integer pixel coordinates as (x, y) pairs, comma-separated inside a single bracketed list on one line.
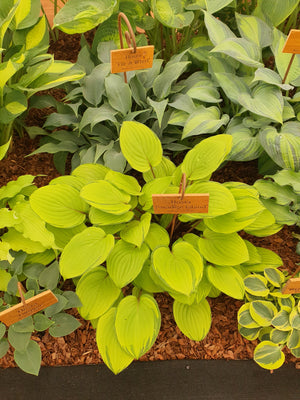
[(292, 44), (126, 60), (175, 204), (30, 307), (292, 286)]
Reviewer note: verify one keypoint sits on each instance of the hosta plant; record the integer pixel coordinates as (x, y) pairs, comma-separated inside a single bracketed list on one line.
[(271, 317), (120, 253), (27, 256)]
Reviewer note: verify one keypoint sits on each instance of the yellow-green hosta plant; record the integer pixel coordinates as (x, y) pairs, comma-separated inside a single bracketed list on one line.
[(110, 239), (270, 316), (25, 66)]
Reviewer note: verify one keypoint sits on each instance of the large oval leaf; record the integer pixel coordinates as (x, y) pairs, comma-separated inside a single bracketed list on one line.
[(135, 232), (227, 279), (171, 13), (268, 355)]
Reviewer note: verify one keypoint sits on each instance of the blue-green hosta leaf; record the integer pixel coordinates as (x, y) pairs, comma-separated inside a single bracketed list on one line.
[(222, 249), (93, 84), (269, 76), (282, 214), (135, 231), (137, 324), (94, 115), (59, 205), (63, 324), (263, 312), (140, 146), (204, 120), (78, 17), (268, 355), (113, 355), (193, 320), (217, 30), (165, 168), (101, 218), (257, 285), (254, 29), (85, 250), (284, 195), (159, 107), (125, 262), (284, 146), (275, 10), (245, 319), (29, 359), (183, 102), (227, 279), (118, 93), (171, 13), (206, 156), (97, 293), (245, 144), (286, 177), (180, 269)]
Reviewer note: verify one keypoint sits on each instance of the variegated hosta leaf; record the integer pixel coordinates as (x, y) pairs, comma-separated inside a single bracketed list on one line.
[(59, 205), (287, 304), (293, 341), (245, 319), (193, 320), (262, 312), (135, 231), (269, 76), (285, 177), (206, 156), (217, 30), (171, 13), (227, 279), (115, 358), (97, 293), (140, 146), (7, 70), (279, 337), (281, 321), (284, 146), (254, 29), (274, 276), (180, 270), (275, 11), (222, 249), (295, 319), (125, 262), (204, 120), (245, 144), (249, 333), (85, 250), (137, 324), (256, 285), (268, 355), (203, 89), (213, 6)]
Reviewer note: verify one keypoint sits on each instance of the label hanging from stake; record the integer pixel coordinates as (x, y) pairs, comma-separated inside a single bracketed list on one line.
[(127, 60), (176, 204), (292, 286), (292, 44)]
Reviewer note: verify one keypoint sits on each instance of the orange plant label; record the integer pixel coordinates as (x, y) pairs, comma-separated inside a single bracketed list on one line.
[(174, 204), (292, 286), (292, 44), (126, 60), (30, 307)]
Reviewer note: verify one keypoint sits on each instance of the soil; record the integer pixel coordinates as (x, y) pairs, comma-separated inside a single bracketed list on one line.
[(223, 340)]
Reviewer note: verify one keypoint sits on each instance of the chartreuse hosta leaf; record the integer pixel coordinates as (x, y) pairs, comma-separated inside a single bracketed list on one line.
[(144, 280), (254, 29), (5, 276), (140, 146), (97, 293), (275, 10), (90, 172), (172, 13), (245, 319), (217, 30), (114, 356), (159, 185), (135, 232), (85, 250), (165, 168), (180, 269), (206, 156), (123, 182), (257, 285), (125, 262), (157, 236), (268, 355), (263, 225), (59, 205), (137, 324), (98, 217), (193, 320), (74, 181), (262, 312), (63, 236), (227, 279), (18, 242), (223, 249)]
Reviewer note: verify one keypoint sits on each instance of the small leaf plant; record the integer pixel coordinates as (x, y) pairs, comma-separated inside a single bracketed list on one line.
[(120, 254)]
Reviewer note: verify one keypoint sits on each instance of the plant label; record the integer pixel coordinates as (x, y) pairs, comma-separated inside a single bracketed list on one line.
[(292, 286), (176, 204), (126, 60), (292, 44), (30, 307)]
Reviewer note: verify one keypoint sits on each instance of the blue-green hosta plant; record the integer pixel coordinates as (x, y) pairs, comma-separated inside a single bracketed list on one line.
[(27, 256), (120, 253), (271, 317), (25, 66)]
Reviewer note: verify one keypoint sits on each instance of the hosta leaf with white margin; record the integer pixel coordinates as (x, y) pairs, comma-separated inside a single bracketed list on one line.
[(204, 120), (123, 182), (281, 320), (106, 197), (274, 276), (144, 280), (294, 319), (282, 59), (135, 231), (137, 324), (193, 320), (217, 30), (157, 186), (254, 29), (118, 93), (245, 319), (262, 312), (90, 172), (29, 359), (285, 177), (59, 205), (249, 333), (269, 76), (140, 146), (268, 355), (18, 242), (180, 269), (282, 214), (275, 10), (284, 146), (78, 17), (125, 262), (257, 285), (242, 50), (222, 249), (97, 293), (98, 217), (206, 156), (5, 276), (165, 168), (245, 144), (157, 236), (113, 355), (172, 13), (293, 341), (227, 279), (284, 195), (85, 250)]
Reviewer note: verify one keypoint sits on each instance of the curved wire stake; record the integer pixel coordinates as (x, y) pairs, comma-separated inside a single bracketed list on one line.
[(129, 36)]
